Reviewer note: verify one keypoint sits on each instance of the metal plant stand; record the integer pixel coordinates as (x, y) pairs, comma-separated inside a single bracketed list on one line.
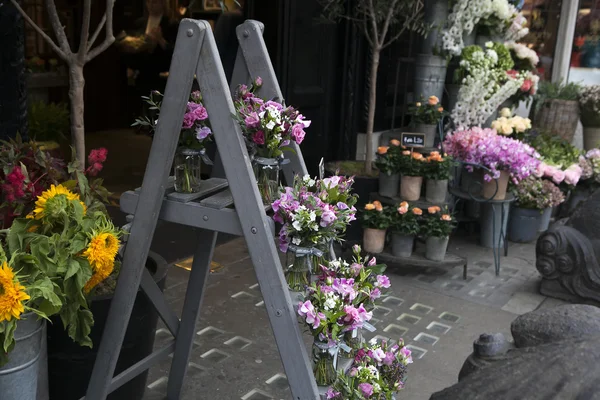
[(497, 209), (232, 184)]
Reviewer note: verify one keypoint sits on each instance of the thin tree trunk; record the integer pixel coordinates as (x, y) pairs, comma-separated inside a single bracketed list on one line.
[(76, 85), (372, 106)]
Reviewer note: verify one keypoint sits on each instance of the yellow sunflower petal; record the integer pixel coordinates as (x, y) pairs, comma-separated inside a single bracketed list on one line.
[(12, 295)]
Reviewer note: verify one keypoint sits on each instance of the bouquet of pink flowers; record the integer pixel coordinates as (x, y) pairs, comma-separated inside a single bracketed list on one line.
[(314, 212), (497, 153), (268, 126), (378, 371), (195, 128), (364, 273)]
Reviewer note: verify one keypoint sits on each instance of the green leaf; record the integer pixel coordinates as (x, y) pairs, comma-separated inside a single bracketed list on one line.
[(81, 327), (16, 235), (78, 243), (72, 269), (8, 330)]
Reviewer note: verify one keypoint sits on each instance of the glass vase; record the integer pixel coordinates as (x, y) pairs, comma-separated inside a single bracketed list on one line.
[(266, 172), (318, 260), (297, 273), (324, 366), (188, 166), (353, 339)]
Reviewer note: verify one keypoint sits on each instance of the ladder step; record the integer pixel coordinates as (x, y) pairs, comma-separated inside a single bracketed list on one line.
[(218, 201), (207, 187), (168, 189), (194, 214)]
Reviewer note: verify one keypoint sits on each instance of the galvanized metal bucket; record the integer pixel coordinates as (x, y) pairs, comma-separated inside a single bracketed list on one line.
[(19, 378), (430, 76)]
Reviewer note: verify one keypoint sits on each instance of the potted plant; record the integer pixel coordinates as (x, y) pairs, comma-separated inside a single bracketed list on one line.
[(436, 171), (377, 372), (437, 227), (375, 223), (556, 109), (534, 197), (55, 257), (426, 117), (589, 103), (37, 171), (502, 157), (411, 170), (195, 132), (404, 226), (382, 23), (387, 164)]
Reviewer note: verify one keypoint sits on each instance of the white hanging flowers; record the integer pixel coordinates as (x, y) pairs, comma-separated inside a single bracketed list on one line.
[(499, 17)]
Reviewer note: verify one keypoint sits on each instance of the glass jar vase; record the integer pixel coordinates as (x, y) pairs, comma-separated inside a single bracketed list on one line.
[(297, 272), (266, 172), (324, 360), (188, 166), (323, 254), (353, 339)]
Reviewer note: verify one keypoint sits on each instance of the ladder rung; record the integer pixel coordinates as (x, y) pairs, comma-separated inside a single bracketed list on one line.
[(168, 189), (193, 214), (207, 187), (219, 200)]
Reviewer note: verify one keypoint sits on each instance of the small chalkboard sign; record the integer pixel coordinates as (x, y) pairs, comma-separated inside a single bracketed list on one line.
[(413, 139)]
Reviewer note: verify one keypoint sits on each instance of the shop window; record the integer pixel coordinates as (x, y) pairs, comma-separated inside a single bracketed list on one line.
[(585, 59)]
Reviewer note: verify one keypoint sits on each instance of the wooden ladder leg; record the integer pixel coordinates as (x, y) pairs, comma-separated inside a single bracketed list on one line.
[(191, 311)]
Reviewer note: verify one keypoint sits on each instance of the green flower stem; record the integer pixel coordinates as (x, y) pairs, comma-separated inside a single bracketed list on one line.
[(324, 370)]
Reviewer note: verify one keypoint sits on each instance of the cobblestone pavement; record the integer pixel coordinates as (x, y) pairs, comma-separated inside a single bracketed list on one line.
[(436, 312)]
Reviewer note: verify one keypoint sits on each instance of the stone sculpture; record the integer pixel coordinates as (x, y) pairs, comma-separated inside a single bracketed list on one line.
[(567, 255), (554, 358)]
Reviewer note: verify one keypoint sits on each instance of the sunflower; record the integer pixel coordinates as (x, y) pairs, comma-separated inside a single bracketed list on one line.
[(42, 201), (12, 295), (101, 253)]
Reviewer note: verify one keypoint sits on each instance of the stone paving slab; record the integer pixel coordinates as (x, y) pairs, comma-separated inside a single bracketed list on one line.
[(235, 357)]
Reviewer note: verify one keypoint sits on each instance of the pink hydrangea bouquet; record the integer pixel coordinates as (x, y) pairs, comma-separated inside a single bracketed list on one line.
[(495, 152), (378, 371), (268, 126), (195, 128)]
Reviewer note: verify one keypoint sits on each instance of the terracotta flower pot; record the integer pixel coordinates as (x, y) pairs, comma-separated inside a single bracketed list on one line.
[(489, 188), (410, 187), (373, 240)]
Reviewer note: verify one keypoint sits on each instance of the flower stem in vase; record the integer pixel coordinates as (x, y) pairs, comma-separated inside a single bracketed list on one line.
[(324, 368), (297, 274)]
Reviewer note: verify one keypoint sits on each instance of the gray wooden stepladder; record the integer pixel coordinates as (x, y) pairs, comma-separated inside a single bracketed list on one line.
[(196, 54)]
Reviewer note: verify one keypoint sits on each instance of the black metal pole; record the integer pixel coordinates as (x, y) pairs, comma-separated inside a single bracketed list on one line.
[(13, 92)]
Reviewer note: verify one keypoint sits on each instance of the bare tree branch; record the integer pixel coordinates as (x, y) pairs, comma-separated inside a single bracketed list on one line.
[(59, 30), (96, 33), (39, 30), (371, 12), (110, 38), (85, 29), (415, 14), (388, 19), (366, 30)]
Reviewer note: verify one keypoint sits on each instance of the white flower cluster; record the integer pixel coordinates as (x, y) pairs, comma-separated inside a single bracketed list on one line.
[(523, 52), (589, 97), (332, 299), (304, 219), (482, 92), (499, 15)]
